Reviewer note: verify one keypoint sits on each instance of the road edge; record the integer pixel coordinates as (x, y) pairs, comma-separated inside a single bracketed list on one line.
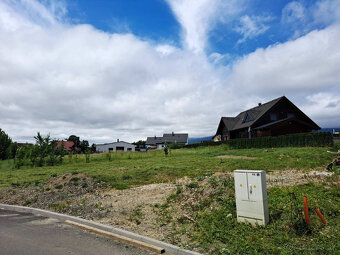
[(169, 248)]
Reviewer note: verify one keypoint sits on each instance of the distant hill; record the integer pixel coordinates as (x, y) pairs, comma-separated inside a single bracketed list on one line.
[(329, 130), (199, 139)]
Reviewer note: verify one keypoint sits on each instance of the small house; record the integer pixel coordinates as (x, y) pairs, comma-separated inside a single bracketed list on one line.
[(115, 146), (159, 142)]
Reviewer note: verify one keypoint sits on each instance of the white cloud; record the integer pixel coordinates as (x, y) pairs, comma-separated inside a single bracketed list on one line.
[(326, 11), (69, 79), (251, 27), (298, 68), (303, 19), (293, 11), (198, 18), (73, 79), (325, 107)]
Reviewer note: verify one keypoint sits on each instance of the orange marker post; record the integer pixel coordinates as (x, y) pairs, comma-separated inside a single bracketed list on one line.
[(320, 216), (306, 211)]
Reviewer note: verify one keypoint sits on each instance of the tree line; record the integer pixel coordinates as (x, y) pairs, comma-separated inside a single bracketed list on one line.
[(45, 151)]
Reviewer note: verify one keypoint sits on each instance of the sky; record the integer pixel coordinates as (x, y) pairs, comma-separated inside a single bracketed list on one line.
[(126, 69)]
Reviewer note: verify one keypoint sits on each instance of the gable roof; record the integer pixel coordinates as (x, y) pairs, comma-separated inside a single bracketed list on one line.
[(169, 138), (255, 113)]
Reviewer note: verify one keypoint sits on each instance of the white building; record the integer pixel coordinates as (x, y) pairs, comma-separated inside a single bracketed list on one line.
[(115, 146)]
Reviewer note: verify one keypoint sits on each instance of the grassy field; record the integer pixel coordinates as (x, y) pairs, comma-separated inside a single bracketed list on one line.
[(129, 169), (202, 214)]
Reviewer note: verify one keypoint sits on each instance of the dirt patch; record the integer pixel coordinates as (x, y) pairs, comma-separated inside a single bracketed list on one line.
[(235, 157), (134, 209), (295, 177)]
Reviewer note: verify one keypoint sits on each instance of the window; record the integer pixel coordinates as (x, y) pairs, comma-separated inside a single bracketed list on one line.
[(273, 116), (290, 115), (248, 117)]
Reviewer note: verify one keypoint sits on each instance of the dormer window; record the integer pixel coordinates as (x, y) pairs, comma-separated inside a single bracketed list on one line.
[(248, 118)]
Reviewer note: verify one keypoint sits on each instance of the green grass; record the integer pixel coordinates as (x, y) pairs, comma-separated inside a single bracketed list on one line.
[(214, 227), (129, 169)]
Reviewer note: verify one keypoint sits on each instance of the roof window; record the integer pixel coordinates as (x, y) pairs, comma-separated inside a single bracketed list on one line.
[(248, 118)]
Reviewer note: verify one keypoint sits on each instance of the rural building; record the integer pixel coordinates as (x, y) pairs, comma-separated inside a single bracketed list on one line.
[(159, 142), (277, 117), (115, 146), (68, 145)]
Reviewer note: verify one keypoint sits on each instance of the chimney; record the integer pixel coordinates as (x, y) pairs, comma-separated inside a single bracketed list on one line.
[(260, 104), (173, 133), (117, 140)]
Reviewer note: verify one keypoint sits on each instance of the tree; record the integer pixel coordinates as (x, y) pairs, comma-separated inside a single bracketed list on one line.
[(166, 149), (44, 147), (12, 150), (140, 144), (5, 142), (34, 154), (75, 139), (83, 146), (93, 148)]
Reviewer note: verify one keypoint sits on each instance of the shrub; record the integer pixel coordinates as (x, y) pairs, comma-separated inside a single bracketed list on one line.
[(314, 139)]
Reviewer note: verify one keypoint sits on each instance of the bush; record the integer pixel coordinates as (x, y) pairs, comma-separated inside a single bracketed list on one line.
[(175, 145)]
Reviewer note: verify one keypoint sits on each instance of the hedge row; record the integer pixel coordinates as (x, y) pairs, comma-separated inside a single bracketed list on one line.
[(321, 139)]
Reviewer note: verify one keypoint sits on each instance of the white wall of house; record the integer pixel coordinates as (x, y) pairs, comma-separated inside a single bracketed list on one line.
[(116, 146)]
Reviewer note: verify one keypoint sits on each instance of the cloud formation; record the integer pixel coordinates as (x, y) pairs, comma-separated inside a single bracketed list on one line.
[(74, 79), (251, 27), (198, 18)]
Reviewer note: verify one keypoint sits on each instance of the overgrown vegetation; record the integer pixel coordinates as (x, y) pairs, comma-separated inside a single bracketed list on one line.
[(203, 215), (153, 166), (317, 139), (44, 152)]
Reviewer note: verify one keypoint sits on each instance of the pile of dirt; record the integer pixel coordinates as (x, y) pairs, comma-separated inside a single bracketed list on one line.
[(295, 177), (235, 157), (61, 194)]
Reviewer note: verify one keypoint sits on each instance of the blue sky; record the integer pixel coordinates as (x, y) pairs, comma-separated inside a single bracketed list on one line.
[(129, 69), (154, 20)]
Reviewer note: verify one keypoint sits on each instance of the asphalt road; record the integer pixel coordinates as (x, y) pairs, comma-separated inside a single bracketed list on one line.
[(24, 233)]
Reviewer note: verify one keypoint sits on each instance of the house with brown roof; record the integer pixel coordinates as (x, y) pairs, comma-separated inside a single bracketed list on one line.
[(68, 145), (277, 117)]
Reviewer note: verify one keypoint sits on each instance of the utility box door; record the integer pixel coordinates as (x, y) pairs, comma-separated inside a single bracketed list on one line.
[(241, 187), (255, 186), (251, 196)]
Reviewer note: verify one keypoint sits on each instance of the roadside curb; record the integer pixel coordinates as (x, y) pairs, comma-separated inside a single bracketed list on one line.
[(169, 248)]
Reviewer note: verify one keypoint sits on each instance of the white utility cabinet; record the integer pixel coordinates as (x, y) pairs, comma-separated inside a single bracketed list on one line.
[(251, 196)]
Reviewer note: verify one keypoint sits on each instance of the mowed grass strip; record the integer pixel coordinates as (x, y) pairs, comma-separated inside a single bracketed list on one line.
[(125, 170)]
